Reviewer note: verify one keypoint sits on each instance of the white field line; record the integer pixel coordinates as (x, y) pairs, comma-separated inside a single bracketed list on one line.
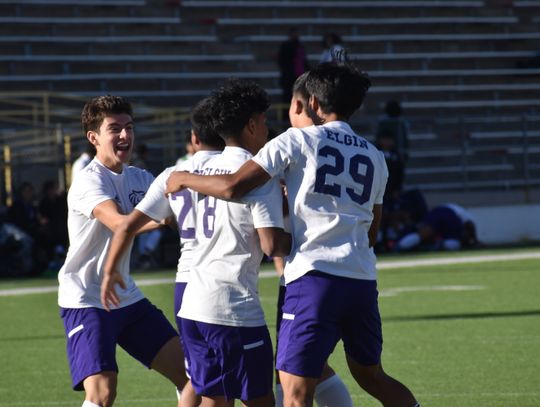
[(465, 396), (392, 292), (382, 265)]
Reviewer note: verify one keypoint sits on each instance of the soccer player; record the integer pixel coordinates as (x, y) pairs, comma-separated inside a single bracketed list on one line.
[(223, 324), (335, 183), (330, 391), (98, 201), (156, 206)]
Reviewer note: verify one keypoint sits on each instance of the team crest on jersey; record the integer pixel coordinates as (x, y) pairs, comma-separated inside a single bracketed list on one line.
[(135, 197)]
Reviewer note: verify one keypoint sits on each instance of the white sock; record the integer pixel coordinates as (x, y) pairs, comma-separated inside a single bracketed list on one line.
[(279, 395), (89, 404), (333, 393), (409, 241)]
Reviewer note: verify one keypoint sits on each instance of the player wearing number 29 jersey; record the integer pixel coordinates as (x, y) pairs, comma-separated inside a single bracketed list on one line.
[(334, 178)]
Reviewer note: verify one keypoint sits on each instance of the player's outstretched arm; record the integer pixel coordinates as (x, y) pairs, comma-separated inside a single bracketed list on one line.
[(107, 213), (375, 224), (123, 235), (226, 186), (275, 241)]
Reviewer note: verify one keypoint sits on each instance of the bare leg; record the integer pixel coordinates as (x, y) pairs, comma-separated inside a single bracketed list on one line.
[(170, 363), (218, 401), (101, 388), (384, 388), (189, 397), (298, 391)]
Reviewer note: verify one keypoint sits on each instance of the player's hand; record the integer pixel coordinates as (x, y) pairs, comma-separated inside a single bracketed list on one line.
[(109, 297), (175, 182)]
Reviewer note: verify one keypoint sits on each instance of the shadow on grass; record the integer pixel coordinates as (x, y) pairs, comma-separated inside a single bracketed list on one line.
[(479, 315)]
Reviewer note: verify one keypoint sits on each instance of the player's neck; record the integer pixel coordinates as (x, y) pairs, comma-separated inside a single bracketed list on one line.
[(331, 117)]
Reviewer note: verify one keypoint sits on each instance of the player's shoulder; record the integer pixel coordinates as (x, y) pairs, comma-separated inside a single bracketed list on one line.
[(197, 161), (137, 172)]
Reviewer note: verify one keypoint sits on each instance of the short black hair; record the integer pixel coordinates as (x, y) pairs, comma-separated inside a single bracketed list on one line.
[(95, 111), (201, 123), (299, 87), (234, 104), (340, 89)]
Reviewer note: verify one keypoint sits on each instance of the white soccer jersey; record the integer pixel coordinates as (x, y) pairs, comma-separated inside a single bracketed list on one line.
[(333, 178), (80, 276), (222, 288), (181, 204)]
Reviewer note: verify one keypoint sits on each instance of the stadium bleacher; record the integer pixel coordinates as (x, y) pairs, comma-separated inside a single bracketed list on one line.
[(446, 61)]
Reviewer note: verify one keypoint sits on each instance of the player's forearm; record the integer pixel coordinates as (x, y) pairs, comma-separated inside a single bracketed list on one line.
[(275, 241), (119, 244), (283, 246), (224, 186), (218, 186)]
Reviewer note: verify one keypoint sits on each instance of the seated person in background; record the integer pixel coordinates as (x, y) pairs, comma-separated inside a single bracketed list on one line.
[(446, 227)]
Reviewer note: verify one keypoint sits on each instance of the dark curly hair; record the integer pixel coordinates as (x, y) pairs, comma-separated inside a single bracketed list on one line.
[(100, 107), (340, 89), (234, 104), (201, 123)]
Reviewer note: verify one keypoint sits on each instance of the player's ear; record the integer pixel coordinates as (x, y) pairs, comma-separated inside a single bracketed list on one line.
[(194, 139), (92, 137), (298, 106), (251, 125)]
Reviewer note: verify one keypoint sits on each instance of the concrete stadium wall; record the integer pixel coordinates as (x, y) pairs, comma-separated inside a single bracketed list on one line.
[(507, 224)]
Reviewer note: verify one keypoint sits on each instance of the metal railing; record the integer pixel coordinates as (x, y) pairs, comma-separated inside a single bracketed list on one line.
[(41, 136)]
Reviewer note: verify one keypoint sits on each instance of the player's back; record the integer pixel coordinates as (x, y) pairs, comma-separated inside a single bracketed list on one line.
[(223, 282), (334, 178), (180, 204)]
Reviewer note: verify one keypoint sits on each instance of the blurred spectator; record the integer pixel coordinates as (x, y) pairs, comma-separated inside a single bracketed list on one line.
[(16, 251), (445, 227), (396, 167), (82, 161), (23, 213), (392, 193), (52, 210), (391, 123), (400, 217), (292, 63), (334, 51)]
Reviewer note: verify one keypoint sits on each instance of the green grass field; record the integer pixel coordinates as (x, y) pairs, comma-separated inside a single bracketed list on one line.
[(457, 334)]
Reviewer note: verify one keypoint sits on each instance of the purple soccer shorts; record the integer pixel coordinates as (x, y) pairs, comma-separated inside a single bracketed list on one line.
[(235, 362), (319, 310), (92, 334)]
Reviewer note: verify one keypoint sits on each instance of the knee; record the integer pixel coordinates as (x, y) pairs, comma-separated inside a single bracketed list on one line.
[(103, 397), (101, 389), (367, 375)]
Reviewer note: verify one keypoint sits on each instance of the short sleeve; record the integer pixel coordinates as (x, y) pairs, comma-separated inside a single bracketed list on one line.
[(383, 178), (88, 191), (155, 204), (279, 153), (266, 204)]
